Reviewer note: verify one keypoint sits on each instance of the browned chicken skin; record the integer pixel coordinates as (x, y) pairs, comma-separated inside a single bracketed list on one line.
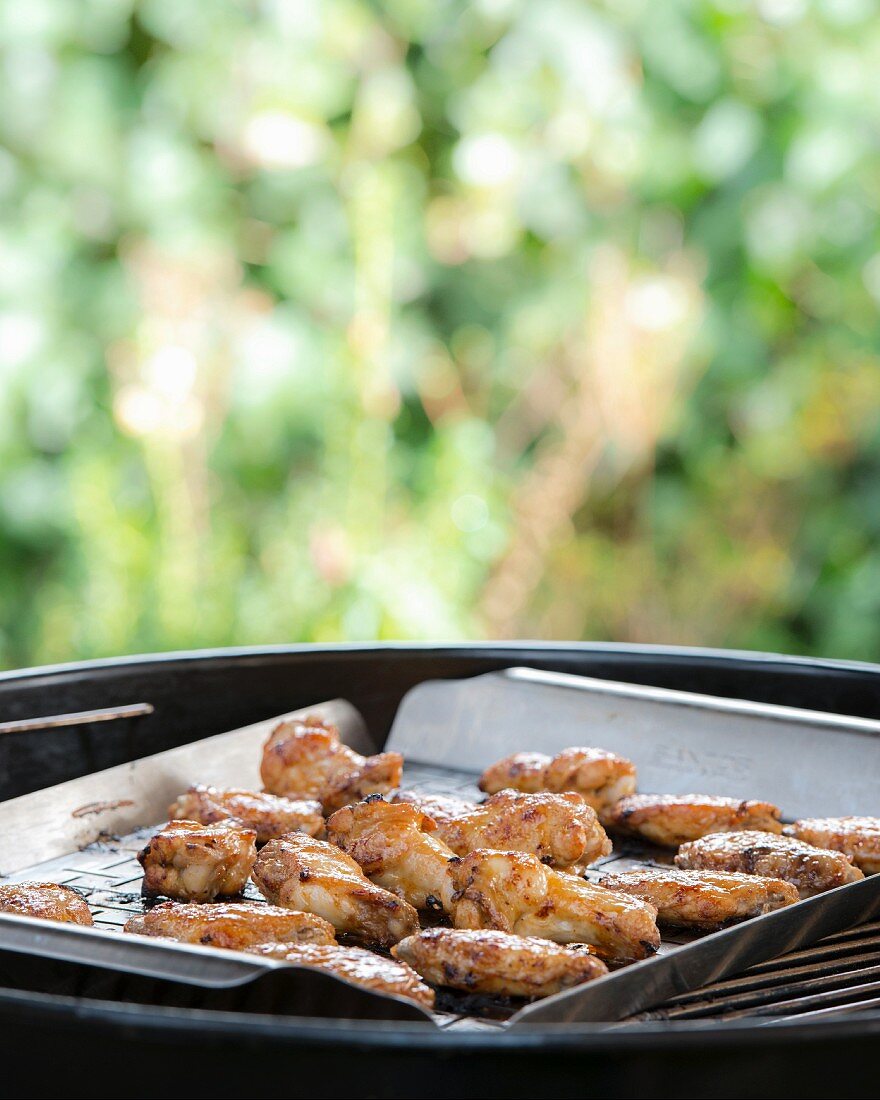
[(307, 760), (521, 771), (312, 876), (515, 892), (560, 829), (600, 777), (811, 870), (857, 837), (497, 963), (702, 899), (673, 819), (231, 925), (45, 900), (269, 815), (353, 964), (393, 845), (188, 861)]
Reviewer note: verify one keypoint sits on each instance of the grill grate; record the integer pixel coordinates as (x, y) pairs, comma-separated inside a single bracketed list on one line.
[(838, 974)]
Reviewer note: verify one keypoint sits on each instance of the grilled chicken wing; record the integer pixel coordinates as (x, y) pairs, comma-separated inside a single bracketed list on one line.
[(269, 815), (307, 760), (673, 819), (811, 870), (521, 771), (309, 875), (600, 777), (560, 829), (702, 899), (515, 892), (393, 844), (188, 861), (233, 926), (353, 964), (46, 900), (497, 963), (857, 837)]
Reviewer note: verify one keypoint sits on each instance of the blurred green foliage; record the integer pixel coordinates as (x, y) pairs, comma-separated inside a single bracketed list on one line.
[(333, 319)]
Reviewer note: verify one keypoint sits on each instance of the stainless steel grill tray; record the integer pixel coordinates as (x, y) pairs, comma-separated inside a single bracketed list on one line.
[(106, 872)]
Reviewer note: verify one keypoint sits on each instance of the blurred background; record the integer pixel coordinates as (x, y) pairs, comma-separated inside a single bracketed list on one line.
[(331, 319)]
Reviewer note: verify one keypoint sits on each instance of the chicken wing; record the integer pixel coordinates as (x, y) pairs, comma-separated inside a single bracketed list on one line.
[(811, 870), (188, 861), (307, 760), (857, 837), (515, 892), (497, 963), (393, 845), (560, 829), (46, 900), (354, 965), (269, 815), (521, 771), (670, 820), (600, 777), (233, 926), (702, 899), (312, 876)]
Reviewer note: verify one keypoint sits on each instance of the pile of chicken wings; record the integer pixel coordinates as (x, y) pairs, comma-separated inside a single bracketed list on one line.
[(342, 854)]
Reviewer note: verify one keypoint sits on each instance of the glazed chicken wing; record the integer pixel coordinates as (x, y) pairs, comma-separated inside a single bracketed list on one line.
[(515, 892), (188, 861), (811, 870), (299, 872), (857, 837), (521, 771), (600, 777), (231, 925), (392, 843), (269, 815), (46, 900), (354, 965), (670, 819), (307, 760), (702, 899), (560, 829), (497, 963)]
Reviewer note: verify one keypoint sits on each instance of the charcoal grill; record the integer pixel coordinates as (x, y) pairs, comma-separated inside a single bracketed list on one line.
[(802, 1025)]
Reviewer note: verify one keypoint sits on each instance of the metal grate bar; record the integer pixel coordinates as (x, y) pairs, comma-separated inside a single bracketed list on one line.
[(871, 1003), (77, 718), (773, 979), (797, 1005), (864, 935), (768, 998)]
